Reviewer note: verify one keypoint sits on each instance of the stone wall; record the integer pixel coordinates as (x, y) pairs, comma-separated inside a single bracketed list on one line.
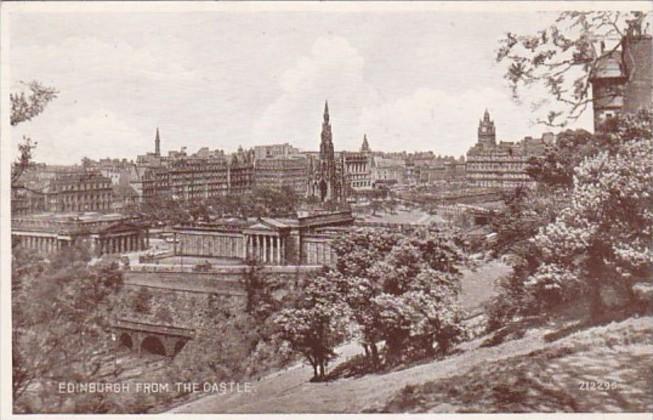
[(224, 283), (228, 245), (316, 250)]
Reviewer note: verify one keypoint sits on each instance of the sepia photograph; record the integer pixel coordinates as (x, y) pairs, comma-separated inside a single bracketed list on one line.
[(303, 208)]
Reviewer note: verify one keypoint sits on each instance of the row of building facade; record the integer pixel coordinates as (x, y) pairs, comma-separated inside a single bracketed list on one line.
[(621, 82)]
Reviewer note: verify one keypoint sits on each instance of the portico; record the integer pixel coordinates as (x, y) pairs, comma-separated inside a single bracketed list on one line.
[(265, 242)]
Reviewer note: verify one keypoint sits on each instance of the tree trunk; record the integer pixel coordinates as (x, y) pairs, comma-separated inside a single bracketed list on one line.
[(596, 268), (375, 354)]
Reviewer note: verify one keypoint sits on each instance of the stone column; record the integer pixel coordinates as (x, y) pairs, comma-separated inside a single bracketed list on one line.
[(282, 253), (244, 253), (257, 248), (265, 249)]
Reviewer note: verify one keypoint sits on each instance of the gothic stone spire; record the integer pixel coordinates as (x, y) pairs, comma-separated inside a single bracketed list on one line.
[(157, 143)]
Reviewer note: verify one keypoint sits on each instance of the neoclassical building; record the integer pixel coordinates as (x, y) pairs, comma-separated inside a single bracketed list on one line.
[(304, 240), (100, 233)]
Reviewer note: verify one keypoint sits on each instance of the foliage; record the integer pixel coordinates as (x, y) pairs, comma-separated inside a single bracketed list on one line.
[(606, 236), (59, 342), (260, 302), (562, 58), (524, 212), (401, 289), (24, 107), (141, 302), (314, 324), (576, 248), (556, 168)]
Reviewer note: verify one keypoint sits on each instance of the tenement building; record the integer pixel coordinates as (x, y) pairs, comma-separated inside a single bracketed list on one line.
[(302, 240), (99, 233), (82, 191), (326, 174), (358, 168), (281, 171), (274, 150), (199, 177), (622, 80), (502, 165)]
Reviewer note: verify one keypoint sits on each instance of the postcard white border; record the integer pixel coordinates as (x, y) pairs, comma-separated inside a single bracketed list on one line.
[(6, 9)]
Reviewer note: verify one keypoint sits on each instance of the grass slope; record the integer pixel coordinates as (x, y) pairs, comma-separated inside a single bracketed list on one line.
[(560, 376), (523, 375)]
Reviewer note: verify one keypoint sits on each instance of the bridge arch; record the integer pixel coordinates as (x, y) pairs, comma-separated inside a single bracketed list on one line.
[(179, 345), (154, 345), (126, 340)]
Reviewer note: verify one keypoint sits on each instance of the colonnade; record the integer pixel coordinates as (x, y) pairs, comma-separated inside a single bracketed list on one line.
[(42, 243), (136, 241), (265, 248)]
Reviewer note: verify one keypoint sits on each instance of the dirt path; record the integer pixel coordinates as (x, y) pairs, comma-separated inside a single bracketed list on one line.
[(290, 392)]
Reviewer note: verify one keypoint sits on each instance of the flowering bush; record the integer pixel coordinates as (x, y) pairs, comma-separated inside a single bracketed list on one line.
[(605, 236)]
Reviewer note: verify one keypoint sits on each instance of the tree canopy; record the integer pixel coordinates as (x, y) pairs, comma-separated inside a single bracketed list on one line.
[(561, 59), (24, 107)]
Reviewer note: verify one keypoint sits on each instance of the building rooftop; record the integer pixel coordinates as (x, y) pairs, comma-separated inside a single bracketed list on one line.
[(75, 216)]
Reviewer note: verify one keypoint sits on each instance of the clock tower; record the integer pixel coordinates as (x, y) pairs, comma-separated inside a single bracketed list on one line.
[(486, 131)]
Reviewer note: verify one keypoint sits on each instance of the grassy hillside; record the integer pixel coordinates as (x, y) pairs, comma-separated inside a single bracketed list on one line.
[(527, 374), (530, 373), (571, 374)]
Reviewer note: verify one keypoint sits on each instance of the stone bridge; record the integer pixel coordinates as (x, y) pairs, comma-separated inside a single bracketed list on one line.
[(158, 339)]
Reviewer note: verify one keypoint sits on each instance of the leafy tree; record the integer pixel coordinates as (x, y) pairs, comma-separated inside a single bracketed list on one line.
[(547, 271), (401, 289), (314, 324), (60, 341), (605, 237), (24, 107), (525, 211), (556, 167), (562, 58)]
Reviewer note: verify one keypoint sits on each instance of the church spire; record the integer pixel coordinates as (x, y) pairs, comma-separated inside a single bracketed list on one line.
[(157, 143), (326, 111)]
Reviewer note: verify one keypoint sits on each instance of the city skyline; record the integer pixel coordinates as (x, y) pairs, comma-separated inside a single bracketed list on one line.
[(228, 79)]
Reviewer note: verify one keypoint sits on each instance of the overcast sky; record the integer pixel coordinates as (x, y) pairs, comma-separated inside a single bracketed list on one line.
[(410, 80)]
